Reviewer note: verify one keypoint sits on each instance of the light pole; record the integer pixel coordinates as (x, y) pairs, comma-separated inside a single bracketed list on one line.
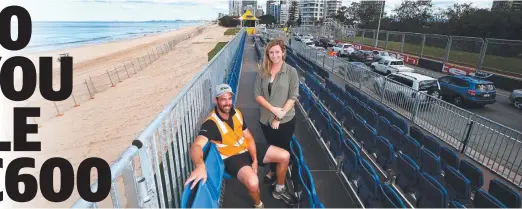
[(379, 25)]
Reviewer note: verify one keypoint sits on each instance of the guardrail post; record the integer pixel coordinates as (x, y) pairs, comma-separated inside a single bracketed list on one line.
[(422, 45), (93, 87), (448, 50), (112, 84), (362, 39), (386, 42), (469, 127), (482, 55)]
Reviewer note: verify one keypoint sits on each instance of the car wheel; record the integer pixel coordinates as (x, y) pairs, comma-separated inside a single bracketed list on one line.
[(518, 103), (457, 100)]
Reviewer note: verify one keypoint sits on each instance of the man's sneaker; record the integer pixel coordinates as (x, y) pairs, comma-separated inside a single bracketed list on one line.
[(285, 196), (261, 206)]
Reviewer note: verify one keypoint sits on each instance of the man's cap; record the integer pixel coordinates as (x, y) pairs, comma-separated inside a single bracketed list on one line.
[(223, 88)]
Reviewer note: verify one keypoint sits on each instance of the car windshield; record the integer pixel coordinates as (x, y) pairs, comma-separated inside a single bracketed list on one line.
[(485, 87), (347, 46), (426, 85), (397, 63)]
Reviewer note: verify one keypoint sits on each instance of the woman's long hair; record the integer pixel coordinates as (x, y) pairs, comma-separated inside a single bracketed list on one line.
[(267, 63)]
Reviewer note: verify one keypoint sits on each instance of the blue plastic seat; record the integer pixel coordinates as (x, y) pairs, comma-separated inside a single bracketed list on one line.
[(455, 204), (449, 157), (384, 127), (397, 137), (459, 187), (368, 184), (417, 134), (349, 118), (508, 196), (411, 147), (402, 124), (351, 156), (324, 125), (373, 105), (370, 138), (372, 117), (407, 173), (432, 144), (389, 198), (385, 153), (336, 139), (484, 200), (472, 173), (430, 193), (359, 127), (430, 163)]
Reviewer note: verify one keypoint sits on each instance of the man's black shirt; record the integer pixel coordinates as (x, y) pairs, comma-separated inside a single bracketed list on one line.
[(210, 130)]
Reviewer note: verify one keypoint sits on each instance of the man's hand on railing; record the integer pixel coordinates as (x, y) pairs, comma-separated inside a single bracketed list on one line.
[(200, 173)]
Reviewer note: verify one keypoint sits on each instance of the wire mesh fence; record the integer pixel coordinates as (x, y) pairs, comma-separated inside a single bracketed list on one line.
[(492, 55), (89, 87)]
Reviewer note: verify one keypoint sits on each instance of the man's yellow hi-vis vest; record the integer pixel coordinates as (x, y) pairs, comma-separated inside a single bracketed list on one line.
[(233, 142)]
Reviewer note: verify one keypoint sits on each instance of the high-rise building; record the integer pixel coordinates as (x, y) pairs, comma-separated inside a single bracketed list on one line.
[(515, 5), (284, 10), (331, 7), (234, 8), (259, 11), (311, 11), (249, 5)]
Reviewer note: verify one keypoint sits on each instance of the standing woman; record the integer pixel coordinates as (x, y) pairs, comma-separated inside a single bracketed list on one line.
[(276, 90)]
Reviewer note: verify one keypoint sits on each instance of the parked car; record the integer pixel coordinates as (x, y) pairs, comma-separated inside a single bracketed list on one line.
[(354, 71), (463, 90), (389, 65), (516, 98), (363, 56), (378, 55), (405, 87), (343, 49)]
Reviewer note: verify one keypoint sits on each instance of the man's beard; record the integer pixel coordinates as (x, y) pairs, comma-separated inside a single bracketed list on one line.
[(222, 109)]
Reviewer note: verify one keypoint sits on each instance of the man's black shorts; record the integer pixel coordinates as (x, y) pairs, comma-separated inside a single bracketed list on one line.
[(235, 163)]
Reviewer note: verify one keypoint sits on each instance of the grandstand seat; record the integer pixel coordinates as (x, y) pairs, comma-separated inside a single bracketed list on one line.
[(473, 174), (458, 186), (455, 204), (484, 200), (385, 153), (407, 172), (336, 139), (324, 124), (430, 193), (401, 123), (348, 98), (372, 117), (373, 105), (411, 147), (324, 97), (430, 163), (215, 169), (202, 197), (432, 144), (389, 198), (417, 134), (349, 118), (449, 157), (358, 128), (396, 137), (351, 156), (384, 127), (509, 197), (369, 138), (360, 108), (368, 184), (338, 109)]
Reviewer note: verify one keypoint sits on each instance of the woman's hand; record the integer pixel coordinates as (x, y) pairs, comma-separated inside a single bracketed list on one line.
[(278, 112), (275, 123)]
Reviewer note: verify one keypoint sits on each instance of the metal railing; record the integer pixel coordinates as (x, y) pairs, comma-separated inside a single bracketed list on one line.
[(492, 55), (92, 85), (495, 146), (156, 165)]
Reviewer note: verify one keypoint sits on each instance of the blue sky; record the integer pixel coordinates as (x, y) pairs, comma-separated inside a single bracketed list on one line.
[(140, 10)]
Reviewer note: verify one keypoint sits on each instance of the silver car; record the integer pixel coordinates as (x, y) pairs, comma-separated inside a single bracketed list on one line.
[(516, 98)]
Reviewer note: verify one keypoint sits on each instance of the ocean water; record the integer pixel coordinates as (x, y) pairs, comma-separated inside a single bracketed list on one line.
[(59, 35)]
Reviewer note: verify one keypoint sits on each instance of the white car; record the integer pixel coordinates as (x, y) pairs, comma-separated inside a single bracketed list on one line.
[(343, 49), (389, 65), (407, 86)]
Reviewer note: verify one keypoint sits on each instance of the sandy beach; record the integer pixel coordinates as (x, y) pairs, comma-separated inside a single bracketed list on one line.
[(106, 125)]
